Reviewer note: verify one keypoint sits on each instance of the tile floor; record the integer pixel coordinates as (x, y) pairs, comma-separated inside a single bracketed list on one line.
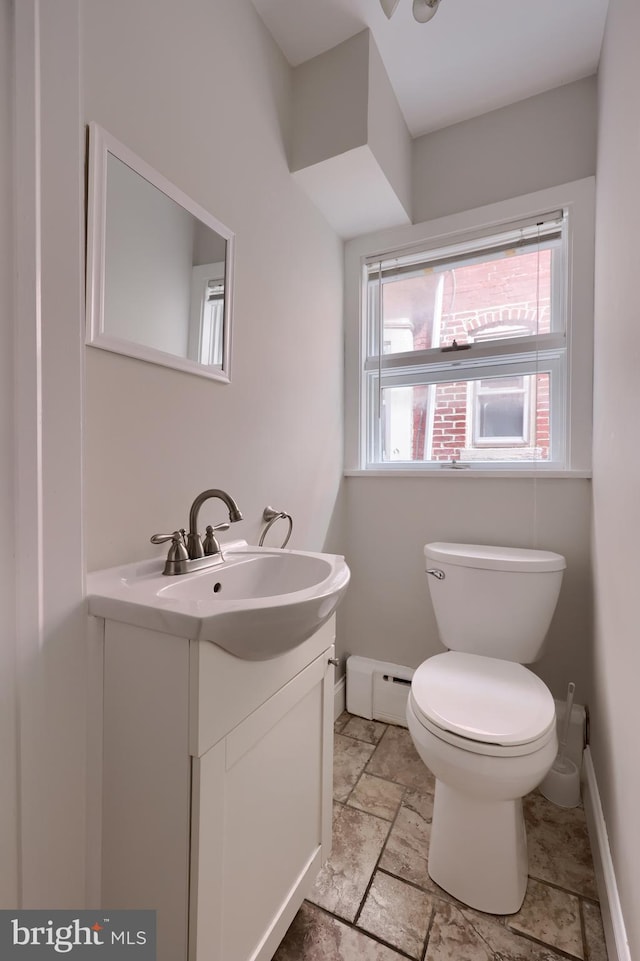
[(374, 900)]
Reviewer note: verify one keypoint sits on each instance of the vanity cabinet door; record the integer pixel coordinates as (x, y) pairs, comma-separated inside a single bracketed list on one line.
[(261, 820)]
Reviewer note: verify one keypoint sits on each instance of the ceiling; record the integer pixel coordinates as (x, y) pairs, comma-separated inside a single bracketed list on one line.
[(474, 56)]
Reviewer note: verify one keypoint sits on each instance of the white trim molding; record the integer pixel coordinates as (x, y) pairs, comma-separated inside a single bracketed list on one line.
[(612, 918), (340, 697), (49, 313)]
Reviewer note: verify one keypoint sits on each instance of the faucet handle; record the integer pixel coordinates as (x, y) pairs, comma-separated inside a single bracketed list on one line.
[(211, 544), (178, 550), (163, 538)]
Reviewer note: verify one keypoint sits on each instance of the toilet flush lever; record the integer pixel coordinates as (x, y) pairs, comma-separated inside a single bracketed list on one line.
[(436, 572)]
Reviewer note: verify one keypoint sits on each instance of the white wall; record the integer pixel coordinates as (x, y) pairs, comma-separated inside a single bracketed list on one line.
[(330, 98), (615, 706), (536, 143), (8, 797), (209, 110), (388, 134), (387, 613)]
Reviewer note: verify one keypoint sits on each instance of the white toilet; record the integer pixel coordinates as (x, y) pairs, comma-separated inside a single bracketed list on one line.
[(481, 722)]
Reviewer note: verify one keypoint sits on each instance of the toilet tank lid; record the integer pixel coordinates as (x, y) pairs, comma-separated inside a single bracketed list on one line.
[(517, 559)]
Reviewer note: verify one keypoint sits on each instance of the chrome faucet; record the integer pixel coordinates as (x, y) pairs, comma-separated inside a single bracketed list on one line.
[(191, 554)]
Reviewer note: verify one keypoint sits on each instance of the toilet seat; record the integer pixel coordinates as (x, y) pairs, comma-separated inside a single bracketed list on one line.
[(483, 704)]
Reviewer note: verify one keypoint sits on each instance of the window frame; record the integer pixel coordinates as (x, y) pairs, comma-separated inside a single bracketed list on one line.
[(576, 200), (481, 441)]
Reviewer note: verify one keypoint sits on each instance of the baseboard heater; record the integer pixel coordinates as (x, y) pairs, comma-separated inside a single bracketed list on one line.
[(378, 690)]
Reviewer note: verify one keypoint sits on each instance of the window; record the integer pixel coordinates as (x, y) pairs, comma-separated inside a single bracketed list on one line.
[(206, 322), (500, 415), (465, 351)]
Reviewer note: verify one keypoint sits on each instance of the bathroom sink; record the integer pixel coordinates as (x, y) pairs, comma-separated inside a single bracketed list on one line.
[(257, 604), (253, 574)]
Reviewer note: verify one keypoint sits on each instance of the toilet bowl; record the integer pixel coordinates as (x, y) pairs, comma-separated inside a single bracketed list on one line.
[(486, 730), (482, 722)]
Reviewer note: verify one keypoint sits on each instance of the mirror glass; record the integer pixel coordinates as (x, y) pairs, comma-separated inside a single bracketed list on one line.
[(159, 266)]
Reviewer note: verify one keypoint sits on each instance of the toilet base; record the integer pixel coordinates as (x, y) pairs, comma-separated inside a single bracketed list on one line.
[(478, 850)]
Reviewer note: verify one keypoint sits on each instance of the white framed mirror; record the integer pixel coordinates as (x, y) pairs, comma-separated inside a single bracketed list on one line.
[(159, 266)]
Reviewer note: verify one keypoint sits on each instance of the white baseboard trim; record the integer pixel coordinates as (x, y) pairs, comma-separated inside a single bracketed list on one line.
[(339, 697), (612, 918)]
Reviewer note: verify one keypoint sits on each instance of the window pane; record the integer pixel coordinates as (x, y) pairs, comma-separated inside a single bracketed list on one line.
[(502, 410), (501, 415), (498, 419), (505, 294), (410, 308)]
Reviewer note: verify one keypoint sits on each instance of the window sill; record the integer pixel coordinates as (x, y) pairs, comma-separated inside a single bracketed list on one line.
[(541, 474)]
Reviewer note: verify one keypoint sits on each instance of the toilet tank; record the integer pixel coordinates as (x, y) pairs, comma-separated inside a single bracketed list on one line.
[(495, 601)]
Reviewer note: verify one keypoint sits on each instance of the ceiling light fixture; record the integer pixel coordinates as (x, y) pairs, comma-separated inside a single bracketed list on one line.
[(423, 10)]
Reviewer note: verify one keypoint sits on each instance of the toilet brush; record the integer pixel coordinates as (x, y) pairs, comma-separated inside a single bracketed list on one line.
[(561, 759), (562, 783)]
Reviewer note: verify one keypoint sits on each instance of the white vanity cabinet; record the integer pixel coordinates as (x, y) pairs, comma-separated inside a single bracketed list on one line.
[(216, 793)]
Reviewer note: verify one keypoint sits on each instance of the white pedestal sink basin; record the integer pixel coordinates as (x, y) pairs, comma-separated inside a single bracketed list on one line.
[(256, 605)]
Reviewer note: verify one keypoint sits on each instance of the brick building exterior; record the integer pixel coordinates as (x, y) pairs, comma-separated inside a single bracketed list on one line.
[(491, 418)]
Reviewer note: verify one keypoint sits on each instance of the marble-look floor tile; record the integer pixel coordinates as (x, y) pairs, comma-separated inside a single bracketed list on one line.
[(349, 760), (422, 804), (396, 759), (460, 934), (364, 730), (452, 938), (341, 722), (406, 851), (397, 913), (358, 839), (594, 932), (558, 845), (316, 936), (376, 796), (551, 916)]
